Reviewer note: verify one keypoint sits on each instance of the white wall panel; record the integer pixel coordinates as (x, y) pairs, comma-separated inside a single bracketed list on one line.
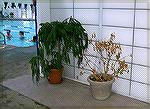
[(90, 50), (141, 38), (118, 17), (118, 4), (149, 58), (43, 11), (148, 94), (123, 35), (126, 52), (140, 73), (141, 18), (60, 14), (86, 4), (143, 4), (92, 29), (61, 3), (139, 91), (69, 71), (87, 16), (121, 86), (140, 56)]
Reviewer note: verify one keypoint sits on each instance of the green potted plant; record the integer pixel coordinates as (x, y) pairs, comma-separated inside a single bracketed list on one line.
[(56, 40), (110, 66)]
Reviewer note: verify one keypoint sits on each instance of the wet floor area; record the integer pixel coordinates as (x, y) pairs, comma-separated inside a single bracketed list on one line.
[(14, 63)]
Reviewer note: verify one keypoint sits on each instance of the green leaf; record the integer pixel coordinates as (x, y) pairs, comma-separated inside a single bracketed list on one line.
[(56, 40)]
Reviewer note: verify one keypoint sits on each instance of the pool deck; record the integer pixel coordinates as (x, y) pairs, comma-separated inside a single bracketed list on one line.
[(14, 63)]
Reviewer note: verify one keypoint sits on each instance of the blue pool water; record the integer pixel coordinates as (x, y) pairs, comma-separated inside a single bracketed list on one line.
[(15, 26)]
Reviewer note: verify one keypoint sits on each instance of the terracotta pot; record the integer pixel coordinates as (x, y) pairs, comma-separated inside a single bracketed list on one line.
[(100, 90), (55, 76)]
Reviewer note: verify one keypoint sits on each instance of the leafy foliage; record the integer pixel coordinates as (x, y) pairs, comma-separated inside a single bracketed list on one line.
[(56, 40)]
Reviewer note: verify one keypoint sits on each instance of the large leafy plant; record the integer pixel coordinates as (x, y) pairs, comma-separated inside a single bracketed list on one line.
[(56, 41)]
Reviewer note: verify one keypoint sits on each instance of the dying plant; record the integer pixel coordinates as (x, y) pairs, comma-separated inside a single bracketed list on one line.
[(111, 64)]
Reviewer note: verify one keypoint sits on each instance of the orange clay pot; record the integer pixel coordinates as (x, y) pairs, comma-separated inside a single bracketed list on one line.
[(55, 76)]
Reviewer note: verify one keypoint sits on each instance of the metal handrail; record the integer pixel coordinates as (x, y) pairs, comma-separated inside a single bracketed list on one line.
[(4, 38)]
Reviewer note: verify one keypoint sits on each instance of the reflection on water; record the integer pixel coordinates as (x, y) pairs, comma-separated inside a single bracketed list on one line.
[(15, 27)]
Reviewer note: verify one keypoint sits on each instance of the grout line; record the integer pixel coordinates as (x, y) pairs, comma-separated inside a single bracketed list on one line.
[(127, 9), (148, 56), (133, 37), (50, 11), (125, 27), (132, 9), (74, 69), (76, 8)]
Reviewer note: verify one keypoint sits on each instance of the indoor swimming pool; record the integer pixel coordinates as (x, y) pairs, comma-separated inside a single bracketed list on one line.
[(28, 27)]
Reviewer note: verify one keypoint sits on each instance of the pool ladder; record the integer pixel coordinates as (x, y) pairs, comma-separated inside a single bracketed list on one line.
[(1, 34)]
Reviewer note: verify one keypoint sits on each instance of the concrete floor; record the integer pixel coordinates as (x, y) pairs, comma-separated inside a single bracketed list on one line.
[(67, 94), (14, 63)]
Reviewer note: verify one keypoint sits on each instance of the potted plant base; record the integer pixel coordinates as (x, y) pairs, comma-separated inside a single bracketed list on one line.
[(55, 76), (100, 90)]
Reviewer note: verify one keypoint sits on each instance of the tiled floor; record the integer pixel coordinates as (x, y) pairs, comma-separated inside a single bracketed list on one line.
[(15, 63)]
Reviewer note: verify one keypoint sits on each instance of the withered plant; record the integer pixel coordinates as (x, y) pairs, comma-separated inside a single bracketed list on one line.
[(111, 64)]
